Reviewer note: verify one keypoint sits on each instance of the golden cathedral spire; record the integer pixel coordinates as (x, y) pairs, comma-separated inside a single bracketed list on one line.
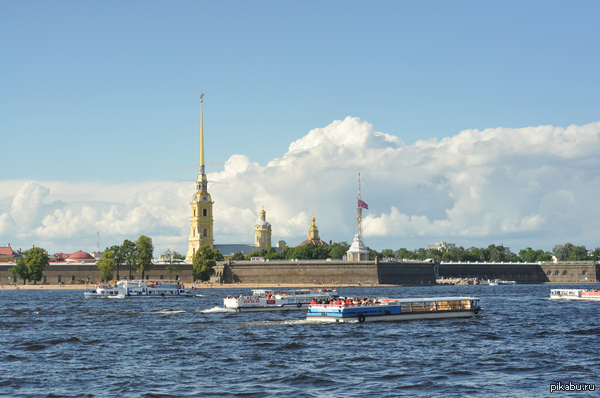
[(201, 136), (201, 231)]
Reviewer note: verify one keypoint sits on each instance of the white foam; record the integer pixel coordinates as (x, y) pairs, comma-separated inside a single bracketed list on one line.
[(217, 309)]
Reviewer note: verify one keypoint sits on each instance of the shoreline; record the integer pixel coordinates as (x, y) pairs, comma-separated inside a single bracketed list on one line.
[(201, 286)]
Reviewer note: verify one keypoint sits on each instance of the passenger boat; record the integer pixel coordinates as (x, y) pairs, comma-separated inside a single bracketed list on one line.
[(575, 294), (497, 283), (272, 300), (404, 309), (140, 289)]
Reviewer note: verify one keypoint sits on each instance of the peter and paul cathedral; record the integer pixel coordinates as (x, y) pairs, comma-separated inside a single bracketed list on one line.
[(201, 231)]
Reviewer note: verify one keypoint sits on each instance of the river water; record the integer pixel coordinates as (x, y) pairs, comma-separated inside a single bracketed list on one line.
[(55, 343)]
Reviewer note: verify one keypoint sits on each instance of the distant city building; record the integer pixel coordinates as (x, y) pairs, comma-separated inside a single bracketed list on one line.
[(313, 236), (7, 253), (442, 245)]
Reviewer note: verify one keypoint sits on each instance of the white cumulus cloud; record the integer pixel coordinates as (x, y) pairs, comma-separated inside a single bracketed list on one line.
[(532, 186)]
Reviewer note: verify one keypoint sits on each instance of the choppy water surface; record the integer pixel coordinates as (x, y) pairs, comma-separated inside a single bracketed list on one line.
[(58, 344)]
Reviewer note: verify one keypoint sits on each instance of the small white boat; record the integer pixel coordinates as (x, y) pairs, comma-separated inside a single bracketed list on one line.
[(140, 289), (498, 283), (575, 294), (378, 310), (272, 300)]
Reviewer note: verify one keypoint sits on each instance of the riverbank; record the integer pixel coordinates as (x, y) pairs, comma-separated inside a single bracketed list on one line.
[(197, 285)]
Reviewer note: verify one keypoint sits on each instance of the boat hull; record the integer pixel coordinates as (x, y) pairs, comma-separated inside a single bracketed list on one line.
[(393, 317)]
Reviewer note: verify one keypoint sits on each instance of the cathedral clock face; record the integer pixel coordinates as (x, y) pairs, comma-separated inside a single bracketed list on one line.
[(204, 198)]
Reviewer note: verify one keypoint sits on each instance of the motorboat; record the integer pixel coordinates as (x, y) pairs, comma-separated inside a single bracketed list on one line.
[(575, 294)]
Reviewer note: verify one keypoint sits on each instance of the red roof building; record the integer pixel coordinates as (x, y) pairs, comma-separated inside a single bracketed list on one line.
[(81, 257)]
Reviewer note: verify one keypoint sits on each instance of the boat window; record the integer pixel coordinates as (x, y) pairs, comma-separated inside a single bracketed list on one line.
[(429, 306), (405, 307), (418, 307), (453, 305)]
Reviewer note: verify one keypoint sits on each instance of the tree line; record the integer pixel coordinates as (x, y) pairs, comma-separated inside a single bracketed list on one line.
[(137, 257), (492, 253)]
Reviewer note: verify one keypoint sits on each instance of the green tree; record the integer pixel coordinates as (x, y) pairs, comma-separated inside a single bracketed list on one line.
[(172, 266), (287, 253), (204, 262), (387, 253), (31, 265), (20, 270), (338, 250), (129, 252), (562, 252), (145, 249), (529, 255), (595, 254), (311, 252), (373, 254), (252, 254), (272, 254), (118, 252), (107, 265), (238, 256), (178, 256), (578, 253)]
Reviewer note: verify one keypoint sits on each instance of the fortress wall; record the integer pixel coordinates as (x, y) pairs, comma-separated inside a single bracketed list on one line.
[(406, 273), (300, 272), (365, 272), (561, 272), (72, 273), (571, 271), (531, 273)]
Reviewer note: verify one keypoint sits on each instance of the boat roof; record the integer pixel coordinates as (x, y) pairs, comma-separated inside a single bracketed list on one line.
[(420, 299)]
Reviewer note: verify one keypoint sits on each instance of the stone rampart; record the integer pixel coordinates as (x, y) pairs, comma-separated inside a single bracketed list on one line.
[(560, 272), (326, 272), (73, 273)]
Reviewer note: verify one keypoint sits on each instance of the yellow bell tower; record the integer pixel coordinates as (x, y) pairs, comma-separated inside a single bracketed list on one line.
[(201, 232), (262, 231)]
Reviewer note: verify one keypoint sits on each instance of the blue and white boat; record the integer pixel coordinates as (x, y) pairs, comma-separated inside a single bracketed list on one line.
[(404, 309), (140, 289)]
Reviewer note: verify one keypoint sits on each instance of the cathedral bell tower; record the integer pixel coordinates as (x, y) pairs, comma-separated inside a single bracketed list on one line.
[(262, 231), (201, 232)]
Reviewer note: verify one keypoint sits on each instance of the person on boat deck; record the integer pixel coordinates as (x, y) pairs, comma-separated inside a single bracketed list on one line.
[(269, 295), (313, 301), (349, 301), (338, 302)]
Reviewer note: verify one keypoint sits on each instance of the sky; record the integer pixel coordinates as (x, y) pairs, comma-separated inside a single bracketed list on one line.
[(473, 123)]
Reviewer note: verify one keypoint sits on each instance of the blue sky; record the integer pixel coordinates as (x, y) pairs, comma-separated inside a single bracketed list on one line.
[(107, 93)]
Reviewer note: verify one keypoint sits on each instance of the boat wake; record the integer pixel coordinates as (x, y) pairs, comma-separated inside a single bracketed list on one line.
[(217, 309), (167, 312)]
